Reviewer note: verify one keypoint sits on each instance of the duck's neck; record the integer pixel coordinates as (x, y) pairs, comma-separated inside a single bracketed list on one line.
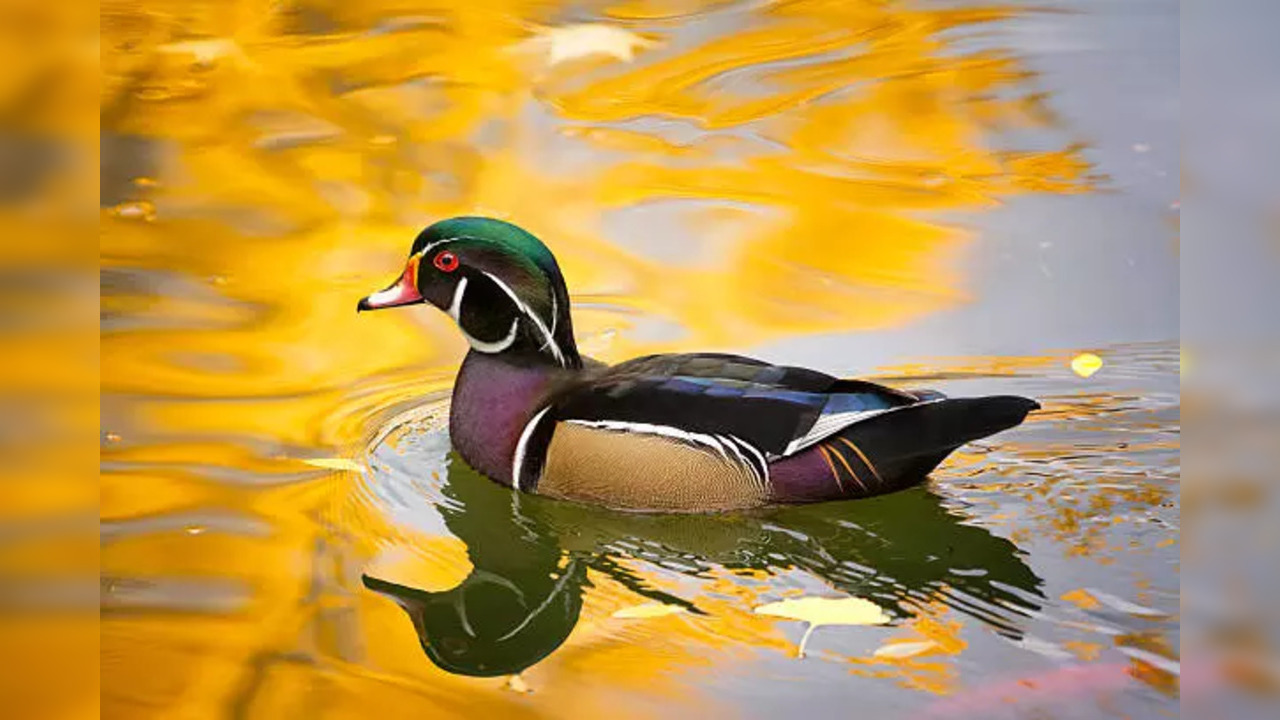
[(560, 330), (494, 397)]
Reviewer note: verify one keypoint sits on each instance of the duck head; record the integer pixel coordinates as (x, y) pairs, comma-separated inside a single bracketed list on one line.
[(499, 283)]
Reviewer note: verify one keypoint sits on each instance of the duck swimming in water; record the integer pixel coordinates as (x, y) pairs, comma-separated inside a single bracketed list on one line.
[(695, 432)]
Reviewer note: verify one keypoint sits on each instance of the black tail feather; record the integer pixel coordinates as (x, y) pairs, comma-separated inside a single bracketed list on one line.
[(905, 445)]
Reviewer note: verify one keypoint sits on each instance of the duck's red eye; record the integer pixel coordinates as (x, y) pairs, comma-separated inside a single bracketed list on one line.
[(446, 261)]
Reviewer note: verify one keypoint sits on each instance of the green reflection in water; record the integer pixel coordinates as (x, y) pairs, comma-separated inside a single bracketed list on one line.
[(531, 555)]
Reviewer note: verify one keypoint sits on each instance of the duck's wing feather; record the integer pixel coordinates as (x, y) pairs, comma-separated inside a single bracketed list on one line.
[(630, 436), (722, 367), (774, 409), (721, 432)]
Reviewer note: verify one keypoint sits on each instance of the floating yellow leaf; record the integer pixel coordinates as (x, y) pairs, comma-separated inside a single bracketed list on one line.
[(135, 210), (1086, 364), (648, 610), (904, 650), (515, 683), (334, 464), (1087, 651), (584, 40), (1082, 599), (819, 611)]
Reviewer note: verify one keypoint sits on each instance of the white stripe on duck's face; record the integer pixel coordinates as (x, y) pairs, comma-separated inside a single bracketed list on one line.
[(520, 311), (548, 341), (455, 312)]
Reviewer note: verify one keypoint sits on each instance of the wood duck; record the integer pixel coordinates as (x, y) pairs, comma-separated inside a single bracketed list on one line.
[(696, 432)]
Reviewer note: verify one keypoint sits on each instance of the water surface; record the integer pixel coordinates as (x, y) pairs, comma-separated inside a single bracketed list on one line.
[(956, 194)]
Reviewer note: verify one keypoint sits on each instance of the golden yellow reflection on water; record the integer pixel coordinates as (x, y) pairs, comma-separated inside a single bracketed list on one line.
[(711, 175)]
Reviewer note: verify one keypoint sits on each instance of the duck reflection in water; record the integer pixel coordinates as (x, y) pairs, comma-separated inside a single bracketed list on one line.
[(531, 556)]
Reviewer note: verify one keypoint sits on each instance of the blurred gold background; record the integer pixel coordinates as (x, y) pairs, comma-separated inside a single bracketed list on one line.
[(48, 359), (711, 175), (267, 163)]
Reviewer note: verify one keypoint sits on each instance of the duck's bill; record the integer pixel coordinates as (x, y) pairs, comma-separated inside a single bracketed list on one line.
[(403, 292)]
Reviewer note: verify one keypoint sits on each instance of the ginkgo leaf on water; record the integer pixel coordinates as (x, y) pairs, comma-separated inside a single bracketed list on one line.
[(648, 610), (1086, 364), (516, 684), (819, 611), (334, 464), (582, 40), (903, 650)]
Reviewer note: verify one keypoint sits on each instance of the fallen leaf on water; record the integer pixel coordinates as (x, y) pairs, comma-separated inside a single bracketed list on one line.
[(819, 611), (203, 51), (515, 683), (571, 42), (1087, 651), (135, 210), (1081, 598), (335, 464), (1086, 364), (648, 610), (904, 650)]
